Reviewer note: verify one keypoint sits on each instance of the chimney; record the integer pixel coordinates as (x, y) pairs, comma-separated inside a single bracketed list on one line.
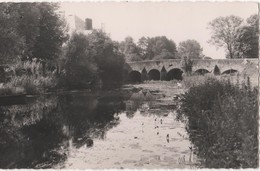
[(88, 24)]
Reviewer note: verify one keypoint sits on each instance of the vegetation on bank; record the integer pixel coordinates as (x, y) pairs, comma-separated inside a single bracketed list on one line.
[(92, 59), (222, 123), (41, 56)]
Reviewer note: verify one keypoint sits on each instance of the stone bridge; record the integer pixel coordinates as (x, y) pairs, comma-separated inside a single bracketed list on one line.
[(172, 68)]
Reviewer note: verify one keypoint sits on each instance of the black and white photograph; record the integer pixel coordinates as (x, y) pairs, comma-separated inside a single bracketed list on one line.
[(129, 85)]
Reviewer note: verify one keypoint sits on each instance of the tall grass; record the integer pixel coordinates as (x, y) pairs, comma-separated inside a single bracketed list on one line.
[(28, 77), (222, 123)]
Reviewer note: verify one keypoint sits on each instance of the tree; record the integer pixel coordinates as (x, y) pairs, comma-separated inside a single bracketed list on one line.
[(52, 33), (109, 60), (80, 67), (28, 16), (31, 30), (224, 33), (142, 44), (190, 49), (247, 39), (12, 44), (130, 50), (159, 47)]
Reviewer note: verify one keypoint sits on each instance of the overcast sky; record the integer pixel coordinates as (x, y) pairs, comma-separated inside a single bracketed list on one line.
[(177, 21)]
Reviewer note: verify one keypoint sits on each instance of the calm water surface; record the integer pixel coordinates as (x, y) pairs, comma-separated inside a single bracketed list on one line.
[(108, 129)]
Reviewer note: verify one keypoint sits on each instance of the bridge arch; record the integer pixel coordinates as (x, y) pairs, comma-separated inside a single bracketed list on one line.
[(154, 74), (201, 71), (174, 74), (134, 77), (230, 71)]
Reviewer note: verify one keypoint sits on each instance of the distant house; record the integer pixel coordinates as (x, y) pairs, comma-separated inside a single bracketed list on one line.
[(77, 24)]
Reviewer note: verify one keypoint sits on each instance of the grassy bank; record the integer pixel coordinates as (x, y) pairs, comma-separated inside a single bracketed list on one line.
[(222, 122), (28, 77)]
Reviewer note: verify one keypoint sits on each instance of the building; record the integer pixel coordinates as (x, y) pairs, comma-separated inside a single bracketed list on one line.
[(88, 24), (76, 24)]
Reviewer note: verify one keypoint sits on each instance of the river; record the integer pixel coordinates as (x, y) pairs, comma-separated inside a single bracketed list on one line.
[(133, 127)]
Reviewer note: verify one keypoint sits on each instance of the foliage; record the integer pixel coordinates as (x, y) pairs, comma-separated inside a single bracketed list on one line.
[(31, 30), (109, 60), (94, 58), (224, 33), (247, 39), (130, 50), (51, 35), (28, 76), (155, 48), (187, 64), (161, 48), (190, 49), (194, 80), (13, 43), (222, 122), (80, 67)]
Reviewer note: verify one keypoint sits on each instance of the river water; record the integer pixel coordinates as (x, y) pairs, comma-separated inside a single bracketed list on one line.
[(131, 128)]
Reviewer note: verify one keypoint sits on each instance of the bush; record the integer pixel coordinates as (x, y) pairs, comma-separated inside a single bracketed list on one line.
[(222, 123), (194, 80)]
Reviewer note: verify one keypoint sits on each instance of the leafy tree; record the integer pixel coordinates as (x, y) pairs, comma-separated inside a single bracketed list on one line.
[(109, 60), (190, 49), (80, 66), (12, 44), (224, 33), (130, 50), (52, 33), (31, 30), (27, 19), (159, 47), (142, 44), (247, 39), (93, 58), (163, 48)]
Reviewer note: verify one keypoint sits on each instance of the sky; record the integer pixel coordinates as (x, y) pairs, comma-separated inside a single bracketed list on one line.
[(177, 21)]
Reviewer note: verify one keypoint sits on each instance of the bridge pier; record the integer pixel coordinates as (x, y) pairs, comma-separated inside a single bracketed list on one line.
[(163, 74), (144, 75)]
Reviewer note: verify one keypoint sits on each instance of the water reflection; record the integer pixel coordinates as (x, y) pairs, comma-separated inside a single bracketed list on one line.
[(38, 135), (49, 131)]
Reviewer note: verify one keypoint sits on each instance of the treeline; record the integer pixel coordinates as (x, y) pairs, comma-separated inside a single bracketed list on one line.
[(41, 55), (239, 38), (159, 47)]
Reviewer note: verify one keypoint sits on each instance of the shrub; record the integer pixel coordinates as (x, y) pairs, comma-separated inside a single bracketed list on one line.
[(194, 80), (222, 123)]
